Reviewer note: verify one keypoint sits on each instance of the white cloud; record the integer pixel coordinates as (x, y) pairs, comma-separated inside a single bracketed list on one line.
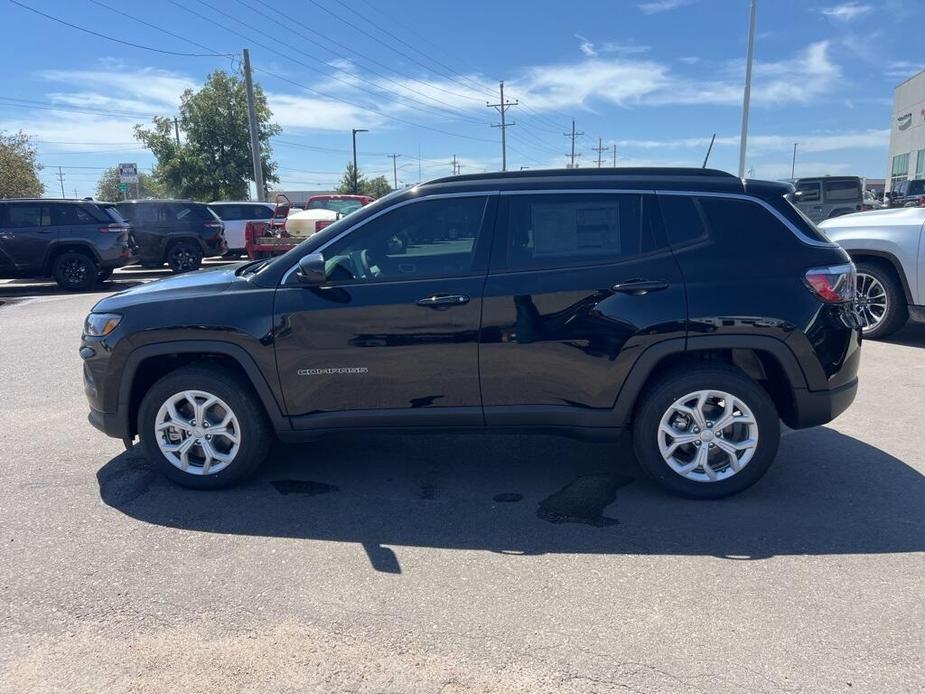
[(592, 50), (847, 11), (903, 69), (655, 6), (586, 46), (295, 112), (816, 142)]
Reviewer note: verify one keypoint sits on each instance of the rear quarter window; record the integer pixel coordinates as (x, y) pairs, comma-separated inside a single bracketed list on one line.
[(683, 219), (842, 191), (747, 221), (185, 212)]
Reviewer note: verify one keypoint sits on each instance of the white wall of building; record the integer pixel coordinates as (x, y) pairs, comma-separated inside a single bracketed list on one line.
[(907, 130)]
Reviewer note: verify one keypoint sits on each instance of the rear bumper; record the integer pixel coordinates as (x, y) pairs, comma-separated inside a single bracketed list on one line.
[(815, 407)]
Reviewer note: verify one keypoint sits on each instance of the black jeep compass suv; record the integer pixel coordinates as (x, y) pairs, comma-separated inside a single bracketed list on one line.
[(694, 308)]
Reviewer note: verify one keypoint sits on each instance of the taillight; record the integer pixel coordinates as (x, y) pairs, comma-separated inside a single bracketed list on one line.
[(114, 228), (217, 226), (321, 224), (834, 284)]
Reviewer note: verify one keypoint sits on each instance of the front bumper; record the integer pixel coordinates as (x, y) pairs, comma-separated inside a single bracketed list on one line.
[(111, 424), (815, 407)]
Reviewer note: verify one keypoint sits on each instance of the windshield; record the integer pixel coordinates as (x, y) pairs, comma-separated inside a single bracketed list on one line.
[(342, 206), (329, 232)]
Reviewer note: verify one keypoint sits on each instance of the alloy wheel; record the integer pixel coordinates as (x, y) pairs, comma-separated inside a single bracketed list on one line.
[(75, 272), (197, 432), (708, 436), (873, 301)]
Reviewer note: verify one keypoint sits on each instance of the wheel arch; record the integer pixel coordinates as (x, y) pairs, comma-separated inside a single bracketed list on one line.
[(890, 262), (147, 364), (766, 360), (59, 247)]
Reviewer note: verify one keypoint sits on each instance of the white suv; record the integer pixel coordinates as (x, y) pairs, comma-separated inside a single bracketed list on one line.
[(886, 246), (236, 215)]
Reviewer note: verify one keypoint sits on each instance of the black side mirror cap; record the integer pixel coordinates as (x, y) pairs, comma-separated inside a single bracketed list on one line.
[(311, 269)]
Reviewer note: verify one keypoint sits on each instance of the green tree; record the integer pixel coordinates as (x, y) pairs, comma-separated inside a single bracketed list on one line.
[(213, 162), (107, 188), (376, 187), (19, 170)]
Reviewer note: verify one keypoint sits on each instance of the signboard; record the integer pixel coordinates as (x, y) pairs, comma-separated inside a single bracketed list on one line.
[(123, 187), (128, 173)]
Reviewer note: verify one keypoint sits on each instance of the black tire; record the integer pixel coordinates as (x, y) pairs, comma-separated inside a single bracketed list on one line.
[(255, 432), (184, 256), (683, 380), (897, 311), (75, 271), (103, 275)]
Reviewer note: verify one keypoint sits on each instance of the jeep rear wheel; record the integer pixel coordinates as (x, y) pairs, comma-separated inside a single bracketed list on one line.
[(184, 256), (706, 431), (204, 427), (74, 271)]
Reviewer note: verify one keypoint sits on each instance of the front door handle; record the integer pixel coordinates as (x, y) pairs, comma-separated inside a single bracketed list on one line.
[(637, 287), (443, 300)]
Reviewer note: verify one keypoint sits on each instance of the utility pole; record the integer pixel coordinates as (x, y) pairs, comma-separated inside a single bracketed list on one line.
[(600, 149), (746, 101), (61, 180), (614, 155), (793, 163), (454, 165), (394, 158), (502, 108), (355, 175), (176, 129), (252, 125), (572, 156)]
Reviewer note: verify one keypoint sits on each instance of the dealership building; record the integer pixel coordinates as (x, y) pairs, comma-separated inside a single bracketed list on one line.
[(907, 131)]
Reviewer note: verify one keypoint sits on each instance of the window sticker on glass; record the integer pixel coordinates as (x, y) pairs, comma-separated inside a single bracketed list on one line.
[(575, 229)]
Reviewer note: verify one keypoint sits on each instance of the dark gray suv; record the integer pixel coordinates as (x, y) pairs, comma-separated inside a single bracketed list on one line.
[(77, 242)]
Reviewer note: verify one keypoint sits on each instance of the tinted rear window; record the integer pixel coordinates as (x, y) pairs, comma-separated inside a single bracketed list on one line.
[(842, 191), (64, 213), (186, 212)]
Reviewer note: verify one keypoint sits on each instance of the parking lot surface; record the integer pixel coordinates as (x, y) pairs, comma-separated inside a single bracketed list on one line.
[(451, 563)]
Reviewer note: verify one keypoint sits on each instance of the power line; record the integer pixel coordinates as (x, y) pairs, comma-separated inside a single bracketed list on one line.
[(388, 45), (333, 75), (502, 108), (318, 37), (113, 38), (323, 94)]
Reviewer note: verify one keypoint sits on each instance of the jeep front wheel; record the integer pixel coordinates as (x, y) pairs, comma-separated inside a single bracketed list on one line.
[(706, 431), (204, 427)]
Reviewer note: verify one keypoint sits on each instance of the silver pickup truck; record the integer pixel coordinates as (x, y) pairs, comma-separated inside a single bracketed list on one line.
[(887, 248)]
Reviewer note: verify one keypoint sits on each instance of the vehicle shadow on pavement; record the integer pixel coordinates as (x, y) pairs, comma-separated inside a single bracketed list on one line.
[(529, 495), (913, 335)]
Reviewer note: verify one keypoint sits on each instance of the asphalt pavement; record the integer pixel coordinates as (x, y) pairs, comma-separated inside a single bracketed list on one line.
[(451, 563)]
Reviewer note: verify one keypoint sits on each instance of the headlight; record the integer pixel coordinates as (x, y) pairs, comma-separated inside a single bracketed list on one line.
[(101, 324)]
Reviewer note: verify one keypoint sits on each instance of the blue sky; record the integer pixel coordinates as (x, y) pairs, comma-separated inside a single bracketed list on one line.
[(654, 77)]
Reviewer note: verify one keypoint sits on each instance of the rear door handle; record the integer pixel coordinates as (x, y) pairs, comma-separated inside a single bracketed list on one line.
[(443, 300), (638, 287)]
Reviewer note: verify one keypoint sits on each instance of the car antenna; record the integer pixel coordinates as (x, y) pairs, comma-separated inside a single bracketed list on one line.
[(709, 149)]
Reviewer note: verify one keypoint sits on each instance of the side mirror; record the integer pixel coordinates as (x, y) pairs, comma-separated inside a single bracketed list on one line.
[(311, 269)]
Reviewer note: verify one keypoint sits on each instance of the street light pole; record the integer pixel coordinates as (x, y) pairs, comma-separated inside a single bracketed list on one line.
[(746, 102), (355, 131)]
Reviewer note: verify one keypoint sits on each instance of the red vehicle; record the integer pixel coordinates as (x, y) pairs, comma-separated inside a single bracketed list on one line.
[(287, 229)]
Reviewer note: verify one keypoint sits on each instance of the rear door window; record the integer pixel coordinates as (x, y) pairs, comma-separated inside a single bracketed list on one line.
[(186, 212), (570, 230), (259, 212), (842, 191)]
